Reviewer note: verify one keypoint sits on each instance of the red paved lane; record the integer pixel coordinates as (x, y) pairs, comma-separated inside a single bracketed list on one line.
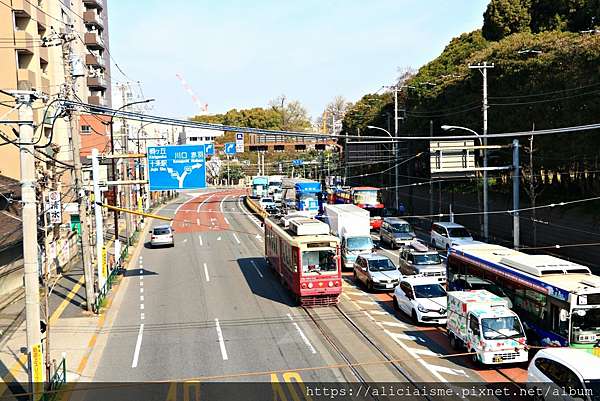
[(203, 212)]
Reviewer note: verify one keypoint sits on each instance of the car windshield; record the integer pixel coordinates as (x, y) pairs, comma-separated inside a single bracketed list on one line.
[(379, 265), (586, 325), (359, 243), (459, 232), (429, 291), (318, 261), (501, 327), (400, 228), (428, 259), (162, 231)]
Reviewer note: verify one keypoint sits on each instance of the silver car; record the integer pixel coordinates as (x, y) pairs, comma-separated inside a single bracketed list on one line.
[(396, 232), (376, 272), (162, 236)]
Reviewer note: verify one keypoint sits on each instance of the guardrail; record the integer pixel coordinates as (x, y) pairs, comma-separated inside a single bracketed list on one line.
[(255, 208), (59, 379)]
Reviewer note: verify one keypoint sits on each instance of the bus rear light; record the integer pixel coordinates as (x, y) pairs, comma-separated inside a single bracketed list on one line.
[(330, 284), (303, 285), (310, 285)]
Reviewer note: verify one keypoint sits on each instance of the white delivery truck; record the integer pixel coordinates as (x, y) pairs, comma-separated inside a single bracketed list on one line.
[(482, 323), (351, 225), (276, 187)]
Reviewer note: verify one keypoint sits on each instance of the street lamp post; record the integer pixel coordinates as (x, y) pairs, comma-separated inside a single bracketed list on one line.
[(113, 163), (485, 177), (395, 161)]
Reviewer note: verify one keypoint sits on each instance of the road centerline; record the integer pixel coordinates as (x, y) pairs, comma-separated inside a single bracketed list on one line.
[(221, 340), (206, 273)]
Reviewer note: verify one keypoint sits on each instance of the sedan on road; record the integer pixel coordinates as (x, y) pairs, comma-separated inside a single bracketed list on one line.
[(162, 236), (377, 272), (422, 298)]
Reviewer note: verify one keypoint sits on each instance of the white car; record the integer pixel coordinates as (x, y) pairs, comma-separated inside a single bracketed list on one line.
[(564, 374), (444, 235), (267, 203), (161, 236), (422, 298)]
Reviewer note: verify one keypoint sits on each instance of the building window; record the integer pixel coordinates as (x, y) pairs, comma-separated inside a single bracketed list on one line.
[(86, 129)]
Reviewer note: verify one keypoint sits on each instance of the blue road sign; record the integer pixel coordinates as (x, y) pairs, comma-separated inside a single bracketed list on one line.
[(297, 162), (230, 148), (209, 149), (176, 167)]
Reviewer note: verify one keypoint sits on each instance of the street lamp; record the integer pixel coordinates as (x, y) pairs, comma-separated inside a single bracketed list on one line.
[(395, 161), (485, 176), (112, 150)]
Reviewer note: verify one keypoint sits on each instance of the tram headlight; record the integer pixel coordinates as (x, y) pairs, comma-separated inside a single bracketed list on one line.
[(310, 285), (330, 284)]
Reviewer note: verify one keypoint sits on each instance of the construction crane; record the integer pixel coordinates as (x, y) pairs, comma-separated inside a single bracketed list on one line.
[(203, 108)]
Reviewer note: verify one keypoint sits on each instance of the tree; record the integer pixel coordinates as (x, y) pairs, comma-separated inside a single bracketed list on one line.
[(505, 17), (293, 115), (335, 110)]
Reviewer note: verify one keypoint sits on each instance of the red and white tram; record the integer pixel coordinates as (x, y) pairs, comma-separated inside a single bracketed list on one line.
[(306, 258)]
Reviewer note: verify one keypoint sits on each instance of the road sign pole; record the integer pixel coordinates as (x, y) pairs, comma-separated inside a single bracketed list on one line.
[(98, 216)]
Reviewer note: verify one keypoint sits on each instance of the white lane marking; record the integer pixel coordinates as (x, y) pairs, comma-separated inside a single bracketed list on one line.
[(142, 298), (423, 351), (200, 239), (256, 268), (251, 217), (221, 204), (394, 324), (236, 238), (356, 292), (197, 222), (138, 345), (219, 239), (142, 316), (141, 271), (367, 302), (450, 371), (141, 283), (202, 203), (226, 221), (346, 296), (141, 290), (142, 306), (378, 312), (221, 341), (206, 273), (302, 335)]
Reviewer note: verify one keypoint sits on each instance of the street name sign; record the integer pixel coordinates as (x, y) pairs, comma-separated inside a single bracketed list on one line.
[(176, 167)]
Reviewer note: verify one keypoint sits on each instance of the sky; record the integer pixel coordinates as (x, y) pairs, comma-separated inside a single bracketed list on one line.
[(243, 53)]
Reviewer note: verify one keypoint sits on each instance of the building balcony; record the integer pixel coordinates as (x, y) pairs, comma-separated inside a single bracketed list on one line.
[(25, 43), (92, 18), (22, 7), (94, 61), (97, 83), (27, 79), (96, 100), (41, 19), (94, 3), (93, 41), (44, 54)]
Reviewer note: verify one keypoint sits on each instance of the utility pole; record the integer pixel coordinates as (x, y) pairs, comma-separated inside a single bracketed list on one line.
[(516, 182), (126, 162), (483, 69), (98, 217), (395, 149), (30, 235), (86, 255)]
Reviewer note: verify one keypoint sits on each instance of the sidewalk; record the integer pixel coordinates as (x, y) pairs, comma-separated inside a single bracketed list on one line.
[(71, 330)]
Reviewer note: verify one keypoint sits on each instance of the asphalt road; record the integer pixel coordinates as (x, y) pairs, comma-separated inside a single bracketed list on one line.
[(209, 309)]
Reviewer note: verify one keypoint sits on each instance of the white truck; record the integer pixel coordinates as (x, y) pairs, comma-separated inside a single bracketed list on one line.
[(276, 187), (482, 323), (351, 225)]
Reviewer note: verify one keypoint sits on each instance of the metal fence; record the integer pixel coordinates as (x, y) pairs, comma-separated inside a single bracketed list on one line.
[(58, 380)]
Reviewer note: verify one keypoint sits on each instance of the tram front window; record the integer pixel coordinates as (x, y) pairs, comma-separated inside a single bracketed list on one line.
[(586, 325), (318, 261)]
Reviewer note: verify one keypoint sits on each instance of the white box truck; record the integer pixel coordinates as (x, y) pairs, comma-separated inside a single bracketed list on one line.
[(482, 323), (351, 225)]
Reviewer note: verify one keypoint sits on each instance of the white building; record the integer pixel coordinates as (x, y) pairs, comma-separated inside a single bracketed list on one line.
[(192, 136)]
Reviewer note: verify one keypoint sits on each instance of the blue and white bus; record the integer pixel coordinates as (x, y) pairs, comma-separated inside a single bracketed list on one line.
[(557, 300)]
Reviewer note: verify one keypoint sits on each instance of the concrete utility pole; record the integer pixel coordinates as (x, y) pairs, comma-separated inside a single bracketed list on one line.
[(516, 182), (483, 69), (86, 254), (395, 149), (30, 234), (98, 216), (126, 164)]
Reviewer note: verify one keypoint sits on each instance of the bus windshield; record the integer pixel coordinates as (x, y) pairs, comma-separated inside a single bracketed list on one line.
[(501, 327), (366, 197), (318, 261), (586, 325)]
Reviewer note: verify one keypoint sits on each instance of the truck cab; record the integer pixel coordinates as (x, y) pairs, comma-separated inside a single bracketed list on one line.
[(354, 245), (482, 323)]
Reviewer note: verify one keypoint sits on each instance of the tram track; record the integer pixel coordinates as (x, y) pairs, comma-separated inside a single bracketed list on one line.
[(358, 330)]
